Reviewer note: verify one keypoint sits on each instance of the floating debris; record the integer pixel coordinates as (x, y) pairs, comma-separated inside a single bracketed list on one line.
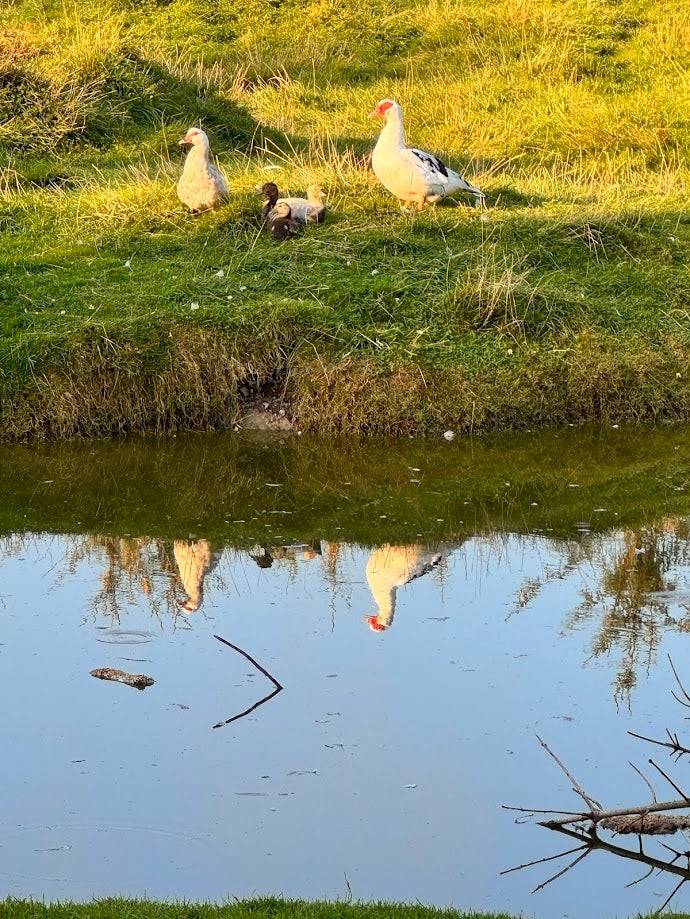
[(136, 680)]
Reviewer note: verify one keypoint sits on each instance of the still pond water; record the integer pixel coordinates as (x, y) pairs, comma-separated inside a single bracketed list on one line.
[(428, 609)]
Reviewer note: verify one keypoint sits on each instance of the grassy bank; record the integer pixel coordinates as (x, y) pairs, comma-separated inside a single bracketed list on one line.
[(567, 299), (264, 908)]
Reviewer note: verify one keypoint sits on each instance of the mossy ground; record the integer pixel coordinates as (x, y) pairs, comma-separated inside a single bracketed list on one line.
[(567, 299)]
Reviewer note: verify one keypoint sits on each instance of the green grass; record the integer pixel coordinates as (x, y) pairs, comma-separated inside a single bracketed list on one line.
[(263, 908), (567, 299)]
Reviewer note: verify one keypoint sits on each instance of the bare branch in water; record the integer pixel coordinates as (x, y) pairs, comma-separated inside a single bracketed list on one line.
[(547, 858), (596, 816), (564, 870), (670, 781), (590, 802), (251, 660), (672, 744), (671, 895), (682, 688), (251, 708), (278, 687), (645, 780), (655, 819)]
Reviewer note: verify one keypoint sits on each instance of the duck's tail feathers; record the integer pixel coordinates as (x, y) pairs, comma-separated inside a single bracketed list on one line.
[(464, 185)]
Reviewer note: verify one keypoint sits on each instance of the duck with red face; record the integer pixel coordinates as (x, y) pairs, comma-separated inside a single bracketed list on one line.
[(412, 175)]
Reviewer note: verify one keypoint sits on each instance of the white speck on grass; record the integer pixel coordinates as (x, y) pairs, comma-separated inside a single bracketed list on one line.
[(128, 263), (243, 287), (374, 271), (449, 435), (194, 306), (220, 273)]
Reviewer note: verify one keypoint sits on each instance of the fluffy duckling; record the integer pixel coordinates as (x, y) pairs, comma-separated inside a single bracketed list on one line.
[(201, 185), (316, 209), (281, 224), (305, 210)]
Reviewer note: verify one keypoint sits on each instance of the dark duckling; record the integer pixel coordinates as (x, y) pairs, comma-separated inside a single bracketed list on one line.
[(270, 191), (281, 225), (304, 210)]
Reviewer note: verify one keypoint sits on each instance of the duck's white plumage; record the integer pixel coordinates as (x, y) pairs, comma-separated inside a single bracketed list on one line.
[(201, 185), (411, 174)]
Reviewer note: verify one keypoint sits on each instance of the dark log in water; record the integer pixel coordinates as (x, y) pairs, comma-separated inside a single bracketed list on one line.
[(137, 680)]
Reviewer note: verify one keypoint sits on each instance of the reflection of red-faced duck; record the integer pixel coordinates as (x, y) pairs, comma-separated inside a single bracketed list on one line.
[(194, 561), (389, 568), (201, 186)]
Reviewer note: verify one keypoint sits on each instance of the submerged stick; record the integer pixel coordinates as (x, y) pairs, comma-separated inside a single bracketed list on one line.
[(251, 660), (137, 680), (278, 687)]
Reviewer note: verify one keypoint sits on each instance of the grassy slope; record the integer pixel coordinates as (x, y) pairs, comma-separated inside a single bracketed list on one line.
[(264, 908), (568, 299)]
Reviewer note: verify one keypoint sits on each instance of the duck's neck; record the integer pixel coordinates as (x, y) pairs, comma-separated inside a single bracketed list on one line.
[(392, 134), (198, 154)]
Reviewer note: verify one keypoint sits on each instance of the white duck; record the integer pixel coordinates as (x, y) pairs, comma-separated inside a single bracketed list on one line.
[(201, 185), (412, 175)]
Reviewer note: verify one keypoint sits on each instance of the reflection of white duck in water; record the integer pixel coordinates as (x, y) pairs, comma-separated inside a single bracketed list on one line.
[(389, 568), (194, 561)]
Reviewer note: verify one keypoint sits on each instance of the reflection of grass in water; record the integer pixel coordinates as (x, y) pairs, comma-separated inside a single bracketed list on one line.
[(345, 490), (633, 567), (133, 567)]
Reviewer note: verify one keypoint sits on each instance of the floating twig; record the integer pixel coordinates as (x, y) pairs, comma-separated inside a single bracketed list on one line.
[(247, 711)]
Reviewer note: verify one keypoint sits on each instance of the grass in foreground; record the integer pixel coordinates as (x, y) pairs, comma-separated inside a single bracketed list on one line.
[(567, 299), (263, 908)]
